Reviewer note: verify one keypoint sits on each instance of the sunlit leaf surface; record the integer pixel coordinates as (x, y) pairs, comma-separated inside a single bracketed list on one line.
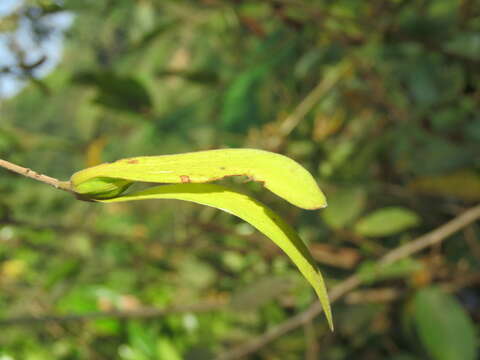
[(280, 174)]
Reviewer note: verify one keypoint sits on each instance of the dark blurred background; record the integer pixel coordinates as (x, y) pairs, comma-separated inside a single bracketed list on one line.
[(380, 100)]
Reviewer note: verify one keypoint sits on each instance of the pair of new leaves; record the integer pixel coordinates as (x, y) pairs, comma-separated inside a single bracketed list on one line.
[(188, 174)]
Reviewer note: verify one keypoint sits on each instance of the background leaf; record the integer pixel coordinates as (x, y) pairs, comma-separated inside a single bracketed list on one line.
[(463, 184), (386, 221), (344, 206), (116, 91), (444, 328)]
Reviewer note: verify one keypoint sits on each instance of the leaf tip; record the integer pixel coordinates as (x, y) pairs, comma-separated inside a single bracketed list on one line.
[(321, 203), (330, 323), (328, 314)]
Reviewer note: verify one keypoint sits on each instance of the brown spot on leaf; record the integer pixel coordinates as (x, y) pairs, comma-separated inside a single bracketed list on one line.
[(185, 178), (133, 161)]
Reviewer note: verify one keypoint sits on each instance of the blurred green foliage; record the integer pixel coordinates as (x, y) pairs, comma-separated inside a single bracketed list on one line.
[(379, 100)]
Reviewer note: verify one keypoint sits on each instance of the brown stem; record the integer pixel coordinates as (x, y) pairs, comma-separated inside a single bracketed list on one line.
[(62, 185)]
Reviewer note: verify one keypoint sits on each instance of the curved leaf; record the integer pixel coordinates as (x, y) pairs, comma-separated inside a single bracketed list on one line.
[(253, 212), (280, 174)]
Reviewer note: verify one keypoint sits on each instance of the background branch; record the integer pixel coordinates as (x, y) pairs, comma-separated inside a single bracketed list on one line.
[(147, 312)]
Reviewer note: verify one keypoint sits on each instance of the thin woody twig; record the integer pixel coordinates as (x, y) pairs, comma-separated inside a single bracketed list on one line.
[(434, 237), (307, 104), (117, 314), (62, 185)]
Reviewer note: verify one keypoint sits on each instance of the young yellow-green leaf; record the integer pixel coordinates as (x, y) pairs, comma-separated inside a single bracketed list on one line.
[(253, 212), (280, 174)]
